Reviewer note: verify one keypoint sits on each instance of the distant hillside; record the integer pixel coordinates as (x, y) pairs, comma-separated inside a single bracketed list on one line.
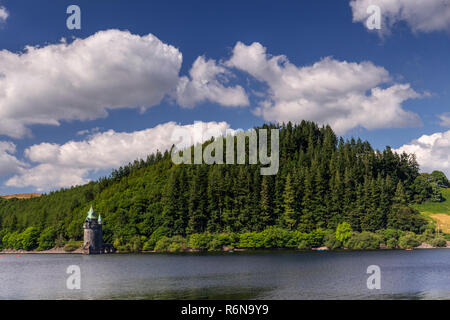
[(21, 196), (323, 180)]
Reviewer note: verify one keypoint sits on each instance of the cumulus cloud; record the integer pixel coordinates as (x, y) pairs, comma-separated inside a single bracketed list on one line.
[(343, 94), (206, 83), (445, 120), (420, 15), (56, 166), (82, 80), (108, 70), (4, 14), (9, 164), (432, 151)]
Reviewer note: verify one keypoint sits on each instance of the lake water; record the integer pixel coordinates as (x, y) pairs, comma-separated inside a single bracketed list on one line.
[(418, 274)]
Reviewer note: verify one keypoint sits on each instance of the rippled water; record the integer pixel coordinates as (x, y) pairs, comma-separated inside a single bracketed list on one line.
[(419, 274)]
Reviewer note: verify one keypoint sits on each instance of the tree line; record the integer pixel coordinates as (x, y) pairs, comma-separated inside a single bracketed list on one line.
[(322, 182)]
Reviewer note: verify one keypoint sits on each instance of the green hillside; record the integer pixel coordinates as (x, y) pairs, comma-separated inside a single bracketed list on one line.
[(439, 212), (322, 182), (436, 207)]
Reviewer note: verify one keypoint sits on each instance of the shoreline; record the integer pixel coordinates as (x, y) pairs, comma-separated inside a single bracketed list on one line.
[(50, 251), (423, 246)]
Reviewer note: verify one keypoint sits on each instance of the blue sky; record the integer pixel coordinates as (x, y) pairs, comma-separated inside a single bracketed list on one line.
[(305, 32)]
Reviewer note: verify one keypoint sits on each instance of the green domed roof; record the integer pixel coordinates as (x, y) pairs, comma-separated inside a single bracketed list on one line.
[(91, 214)]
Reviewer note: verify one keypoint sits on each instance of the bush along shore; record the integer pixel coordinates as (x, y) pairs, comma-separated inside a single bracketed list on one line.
[(277, 238), (344, 238)]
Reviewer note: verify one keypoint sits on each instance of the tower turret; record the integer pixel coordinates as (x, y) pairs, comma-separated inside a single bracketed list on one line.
[(93, 234)]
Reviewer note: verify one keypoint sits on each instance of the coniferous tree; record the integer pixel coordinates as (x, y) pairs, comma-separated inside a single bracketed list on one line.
[(266, 217), (307, 218), (400, 196), (197, 202), (289, 215)]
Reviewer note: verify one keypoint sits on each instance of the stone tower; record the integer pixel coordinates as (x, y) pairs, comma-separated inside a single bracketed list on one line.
[(93, 243)]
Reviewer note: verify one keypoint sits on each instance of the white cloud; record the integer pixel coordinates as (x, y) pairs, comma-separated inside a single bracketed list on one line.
[(420, 15), (47, 177), (432, 151), (4, 14), (82, 80), (206, 84), (108, 70), (9, 164), (445, 120), (56, 166), (343, 94)]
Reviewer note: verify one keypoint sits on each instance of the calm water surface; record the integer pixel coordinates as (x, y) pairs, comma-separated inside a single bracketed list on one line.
[(419, 274)]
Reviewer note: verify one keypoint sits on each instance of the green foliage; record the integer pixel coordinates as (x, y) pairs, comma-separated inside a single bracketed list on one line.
[(29, 238), (423, 188), (343, 232), (174, 244), (289, 215), (155, 237), (47, 239), (392, 243), (12, 240), (200, 240), (390, 237), (407, 219), (331, 242), (438, 242), (436, 207), (135, 244), (408, 241), (440, 179), (322, 181), (60, 241), (252, 240), (2, 234), (274, 237), (298, 238), (428, 235), (304, 245), (364, 241), (72, 246), (428, 187), (163, 244)]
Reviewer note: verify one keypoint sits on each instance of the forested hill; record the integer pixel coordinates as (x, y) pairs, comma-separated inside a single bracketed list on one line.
[(323, 181)]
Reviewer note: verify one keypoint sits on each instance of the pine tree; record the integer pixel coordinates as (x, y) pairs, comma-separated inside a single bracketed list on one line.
[(215, 199), (289, 215), (318, 199), (278, 195), (307, 222), (169, 200), (257, 223), (400, 196), (242, 199), (266, 217), (197, 202), (334, 201)]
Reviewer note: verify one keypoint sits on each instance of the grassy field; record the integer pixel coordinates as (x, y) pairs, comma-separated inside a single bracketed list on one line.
[(438, 211), (21, 196)]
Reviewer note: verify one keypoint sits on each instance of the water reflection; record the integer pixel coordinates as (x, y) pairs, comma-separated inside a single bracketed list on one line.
[(418, 274)]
